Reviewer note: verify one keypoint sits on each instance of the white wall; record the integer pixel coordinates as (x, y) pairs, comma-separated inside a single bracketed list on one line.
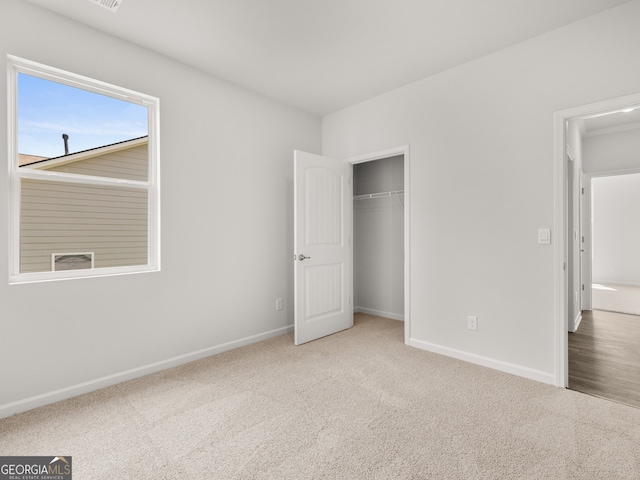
[(378, 238), (613, 152), (616, 229), (609, 154), (226, 161), (482, 183)]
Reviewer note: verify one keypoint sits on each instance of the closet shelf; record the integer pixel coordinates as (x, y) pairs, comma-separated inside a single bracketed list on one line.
[(379, 195)]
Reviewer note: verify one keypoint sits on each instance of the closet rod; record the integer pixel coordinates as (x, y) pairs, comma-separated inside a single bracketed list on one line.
[(379, 194)]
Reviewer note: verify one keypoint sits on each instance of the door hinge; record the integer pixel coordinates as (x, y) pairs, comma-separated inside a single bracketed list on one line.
[(583, 190), (564, 267)]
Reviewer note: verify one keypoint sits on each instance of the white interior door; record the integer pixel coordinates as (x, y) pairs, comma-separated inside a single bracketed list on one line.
[(323, 282)]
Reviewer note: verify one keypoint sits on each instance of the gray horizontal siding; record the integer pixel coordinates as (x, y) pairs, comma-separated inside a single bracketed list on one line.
[(59, 217), (129, 164)]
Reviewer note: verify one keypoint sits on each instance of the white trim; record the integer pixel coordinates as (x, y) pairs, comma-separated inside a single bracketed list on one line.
[(576, 323), (46, 175), (386, 153), (379, 154), (505, 367), (36, 277), (570, 154), (19, 406), (12, 154), (560, 119), (79, 81), (16, 65), (154, 231), (379, 313), (587, 244)]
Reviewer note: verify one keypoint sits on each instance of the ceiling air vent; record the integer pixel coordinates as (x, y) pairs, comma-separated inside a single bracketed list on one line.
[(109, 4)]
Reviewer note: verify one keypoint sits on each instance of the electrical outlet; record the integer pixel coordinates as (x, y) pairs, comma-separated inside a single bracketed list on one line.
[(472, 322), (278, 304)]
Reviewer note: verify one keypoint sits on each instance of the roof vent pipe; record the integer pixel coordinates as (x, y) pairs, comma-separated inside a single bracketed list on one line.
[(65, 137)]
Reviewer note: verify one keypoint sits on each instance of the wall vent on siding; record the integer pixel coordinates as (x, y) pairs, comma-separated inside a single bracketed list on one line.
[(109, 4)]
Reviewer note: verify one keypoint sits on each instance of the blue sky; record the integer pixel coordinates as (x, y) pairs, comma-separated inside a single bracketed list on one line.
[(48, 109)]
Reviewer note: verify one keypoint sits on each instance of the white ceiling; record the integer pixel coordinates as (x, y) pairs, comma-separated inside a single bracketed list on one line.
[(324, 55)]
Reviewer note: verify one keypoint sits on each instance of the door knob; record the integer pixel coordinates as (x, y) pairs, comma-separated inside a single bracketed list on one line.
[(302, 257)]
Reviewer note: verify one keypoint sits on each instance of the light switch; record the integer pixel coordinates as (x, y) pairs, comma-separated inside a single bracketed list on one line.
[(544, 236)]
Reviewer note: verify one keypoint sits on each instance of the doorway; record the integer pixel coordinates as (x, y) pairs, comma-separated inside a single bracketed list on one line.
[(615, 201), (323, 243), (565, 266), (378, 237), (381, 234)]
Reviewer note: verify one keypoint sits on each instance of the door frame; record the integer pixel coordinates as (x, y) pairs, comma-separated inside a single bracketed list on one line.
[(378, 155), (587, 242), (572, 228), (560, 119)]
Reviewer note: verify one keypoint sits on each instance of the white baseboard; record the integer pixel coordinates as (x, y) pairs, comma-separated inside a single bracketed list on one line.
[(379, 313), (19, 406), (576, 323), (518, 370)]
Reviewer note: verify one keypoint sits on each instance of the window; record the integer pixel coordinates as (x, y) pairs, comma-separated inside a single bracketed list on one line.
[(84, 176), (71, 261)]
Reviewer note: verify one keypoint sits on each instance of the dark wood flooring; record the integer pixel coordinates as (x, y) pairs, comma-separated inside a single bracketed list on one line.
[(604, 356)]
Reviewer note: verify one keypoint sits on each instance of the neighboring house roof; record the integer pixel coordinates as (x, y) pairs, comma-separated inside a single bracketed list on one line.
[(25, 159), (33, 161)]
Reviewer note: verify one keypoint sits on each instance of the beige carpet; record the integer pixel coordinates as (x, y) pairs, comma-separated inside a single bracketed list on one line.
[(616, 298), (355, 405)]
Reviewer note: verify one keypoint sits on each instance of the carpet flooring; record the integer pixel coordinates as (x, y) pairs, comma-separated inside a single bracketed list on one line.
[(355, 405)]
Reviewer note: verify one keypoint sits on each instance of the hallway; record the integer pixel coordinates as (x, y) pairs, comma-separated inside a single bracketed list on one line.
[(604, 356)]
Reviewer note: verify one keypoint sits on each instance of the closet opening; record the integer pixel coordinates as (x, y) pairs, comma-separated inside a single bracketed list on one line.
[(379, 204)]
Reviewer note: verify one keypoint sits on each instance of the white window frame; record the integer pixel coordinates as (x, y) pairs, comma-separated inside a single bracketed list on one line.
[(16, 65)]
